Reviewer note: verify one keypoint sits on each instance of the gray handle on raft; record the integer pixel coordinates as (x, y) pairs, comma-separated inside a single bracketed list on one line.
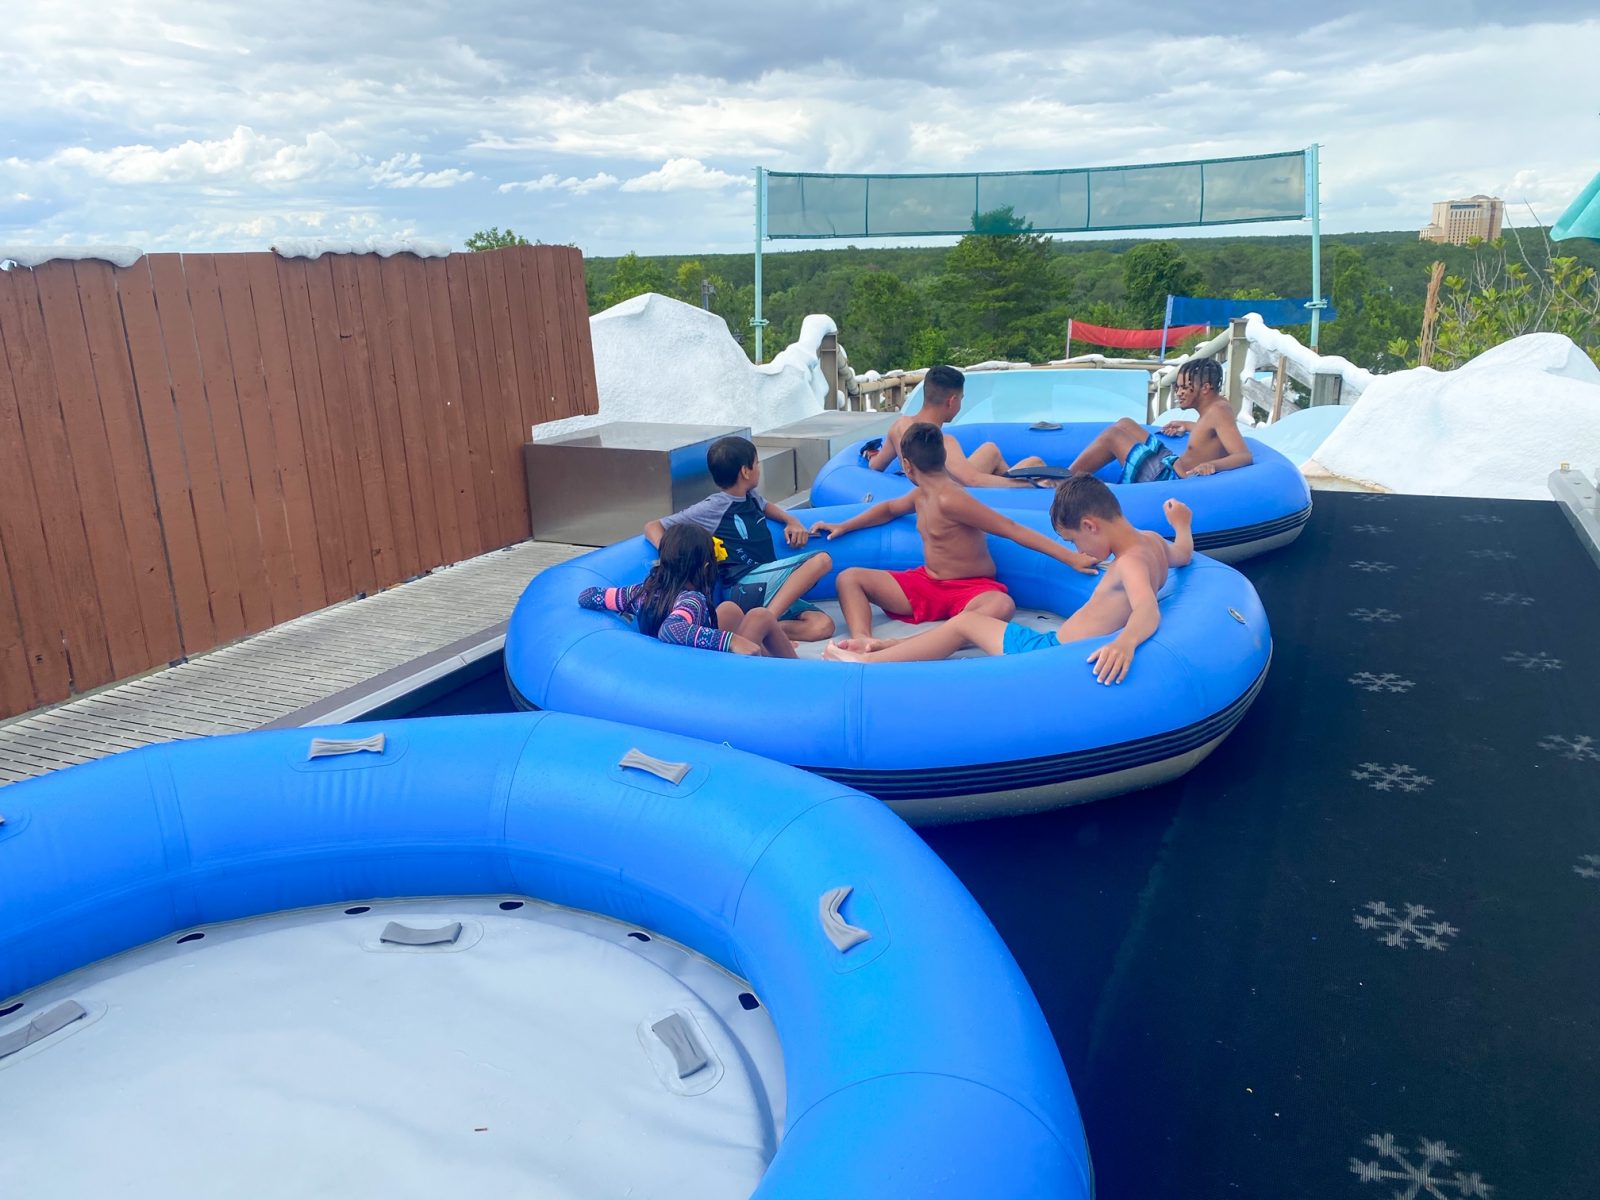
[(672, 772), (677, 1036), (840, 932), (42, 1027), (409, 935), (328, 747)]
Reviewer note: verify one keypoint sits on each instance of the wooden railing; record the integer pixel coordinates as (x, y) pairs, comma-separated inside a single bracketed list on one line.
[(197, 447)]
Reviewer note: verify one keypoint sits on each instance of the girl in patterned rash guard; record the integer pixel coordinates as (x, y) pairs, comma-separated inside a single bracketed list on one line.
[(672, 605)]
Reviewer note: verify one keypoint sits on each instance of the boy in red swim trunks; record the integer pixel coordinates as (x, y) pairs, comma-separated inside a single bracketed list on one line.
[(958, 571)]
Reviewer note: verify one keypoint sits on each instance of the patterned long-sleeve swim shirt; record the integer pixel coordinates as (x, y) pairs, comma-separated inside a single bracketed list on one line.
[(689, 622)]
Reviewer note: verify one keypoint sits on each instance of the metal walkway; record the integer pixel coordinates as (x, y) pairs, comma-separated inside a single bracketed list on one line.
[(280, 671)]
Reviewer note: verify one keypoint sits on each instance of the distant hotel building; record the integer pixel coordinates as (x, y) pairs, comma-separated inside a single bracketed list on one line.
[(1457, 221)]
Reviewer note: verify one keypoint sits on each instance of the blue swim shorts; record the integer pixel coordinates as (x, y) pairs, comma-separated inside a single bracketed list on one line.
[(1020, 639), (1151, 461), (759, 584)]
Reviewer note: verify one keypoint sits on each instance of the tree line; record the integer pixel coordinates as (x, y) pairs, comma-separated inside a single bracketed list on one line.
[(1010, 296)]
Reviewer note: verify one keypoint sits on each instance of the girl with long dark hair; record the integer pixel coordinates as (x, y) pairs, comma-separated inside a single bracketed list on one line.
[(674, 602)]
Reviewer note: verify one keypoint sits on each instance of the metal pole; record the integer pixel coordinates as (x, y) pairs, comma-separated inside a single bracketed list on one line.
[(1069, 338), (761, 236), (1166, 324), (1314, 203)]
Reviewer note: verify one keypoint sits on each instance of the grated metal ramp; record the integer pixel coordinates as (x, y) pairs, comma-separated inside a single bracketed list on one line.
[(281, 670)]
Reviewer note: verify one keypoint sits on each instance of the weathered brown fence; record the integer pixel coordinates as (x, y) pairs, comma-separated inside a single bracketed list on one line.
[(197, 447)]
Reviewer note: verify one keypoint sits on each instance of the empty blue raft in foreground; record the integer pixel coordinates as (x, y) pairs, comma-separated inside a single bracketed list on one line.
[(1014, 734), (915, 1061), (1237, 514)]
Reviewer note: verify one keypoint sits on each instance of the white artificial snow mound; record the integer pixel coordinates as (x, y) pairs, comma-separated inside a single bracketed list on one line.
[(657, 359), (32, 256), (1495, 427), (383, 247)]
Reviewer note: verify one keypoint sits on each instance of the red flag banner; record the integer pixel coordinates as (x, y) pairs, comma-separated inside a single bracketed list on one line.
[(1129, 339)]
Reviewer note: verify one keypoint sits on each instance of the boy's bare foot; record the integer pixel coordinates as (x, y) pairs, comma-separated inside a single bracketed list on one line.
[(865, 645), (836, 652)]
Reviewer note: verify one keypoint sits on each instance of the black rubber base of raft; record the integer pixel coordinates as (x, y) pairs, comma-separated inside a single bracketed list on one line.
[(1356, 952), (1241, 535)]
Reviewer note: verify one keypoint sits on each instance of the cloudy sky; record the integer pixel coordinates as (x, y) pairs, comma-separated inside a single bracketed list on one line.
[(175, 125)]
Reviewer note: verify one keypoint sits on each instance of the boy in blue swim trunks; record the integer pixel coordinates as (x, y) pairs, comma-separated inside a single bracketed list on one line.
[(752, 575), (1123, 603), (1215, 443)]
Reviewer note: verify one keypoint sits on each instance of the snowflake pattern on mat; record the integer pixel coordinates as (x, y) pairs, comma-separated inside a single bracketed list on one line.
[(1370, 529), (1508, 598), (1588, 866), (1394, 777), (1579, 749), (1483, 519), (1370, 568), (1394, 1165), (1368, 497), (1386, 682), (1493, 555), (1400, 929), (1537, 661), (1386, 615)]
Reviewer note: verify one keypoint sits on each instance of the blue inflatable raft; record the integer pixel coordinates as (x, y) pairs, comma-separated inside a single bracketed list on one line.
[(1016, 733), (914, 1059), (1237, 514)]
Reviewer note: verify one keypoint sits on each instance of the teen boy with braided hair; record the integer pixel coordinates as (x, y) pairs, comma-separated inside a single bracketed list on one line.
[(1123, 602), (1215, 443)]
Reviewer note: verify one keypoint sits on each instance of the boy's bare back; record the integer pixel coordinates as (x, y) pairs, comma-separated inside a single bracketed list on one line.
[(952, 547), (1108, 608)]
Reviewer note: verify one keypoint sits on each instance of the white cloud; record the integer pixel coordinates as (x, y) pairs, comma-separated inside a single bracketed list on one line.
[(405, 171), (685, 174), (578, 187), (244, 155)]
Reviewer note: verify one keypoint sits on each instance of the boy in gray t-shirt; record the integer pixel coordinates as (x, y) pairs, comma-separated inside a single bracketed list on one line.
[(751, 575)]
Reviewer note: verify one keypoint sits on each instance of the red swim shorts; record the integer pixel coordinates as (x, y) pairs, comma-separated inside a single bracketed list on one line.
[(938, 599)]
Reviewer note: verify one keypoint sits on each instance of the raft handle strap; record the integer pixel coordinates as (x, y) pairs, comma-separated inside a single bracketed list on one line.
[(672, 772), (677, 1036), (410, 935), (41, 1027), (328, 747), (840, 932)]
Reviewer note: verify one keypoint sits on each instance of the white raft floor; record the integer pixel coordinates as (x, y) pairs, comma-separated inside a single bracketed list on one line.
[(297, 1055), (885, 627)]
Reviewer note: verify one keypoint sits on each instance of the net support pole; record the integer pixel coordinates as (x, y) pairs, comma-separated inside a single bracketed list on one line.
[(1166, 324), (761, 236), (1069, 338), (1314, 205)]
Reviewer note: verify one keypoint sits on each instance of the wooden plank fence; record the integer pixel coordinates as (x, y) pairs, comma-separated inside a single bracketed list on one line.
[(200, 446)]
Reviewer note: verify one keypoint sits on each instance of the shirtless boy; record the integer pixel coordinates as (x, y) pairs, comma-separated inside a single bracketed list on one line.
[(1123, 602), (958, 571), (1214, 440), (942, 390)]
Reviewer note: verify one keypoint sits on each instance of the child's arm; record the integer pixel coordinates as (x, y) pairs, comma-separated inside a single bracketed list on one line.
[(879, 514), (1180, 550), (795, 533), (1112, 661), (970, 511), (654, 531), (704, 513), (887, 451), (691, 624), (611, 599)]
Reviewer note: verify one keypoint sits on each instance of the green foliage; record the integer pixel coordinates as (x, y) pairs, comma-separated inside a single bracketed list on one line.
[(1376, 280), (633, 276), (493, 239), (995, 296), (1151, 273), (1499, 298), (884, 316)]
